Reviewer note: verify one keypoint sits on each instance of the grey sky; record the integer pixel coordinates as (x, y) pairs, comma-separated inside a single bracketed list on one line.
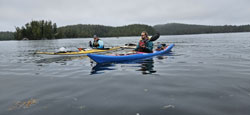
[(123, 12)]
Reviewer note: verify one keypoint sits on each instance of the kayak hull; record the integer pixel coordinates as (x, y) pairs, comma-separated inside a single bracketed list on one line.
[(109, 58), (78, 52)]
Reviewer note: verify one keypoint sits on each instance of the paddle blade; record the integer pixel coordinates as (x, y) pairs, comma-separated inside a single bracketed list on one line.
[(155, 37)]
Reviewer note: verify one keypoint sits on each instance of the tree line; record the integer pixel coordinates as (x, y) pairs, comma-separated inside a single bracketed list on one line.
[(37, 30), (82, 31), (6, 35), (179, 29)]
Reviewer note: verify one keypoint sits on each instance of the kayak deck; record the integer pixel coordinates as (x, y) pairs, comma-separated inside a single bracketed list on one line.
[(111, 58), (78, 52)]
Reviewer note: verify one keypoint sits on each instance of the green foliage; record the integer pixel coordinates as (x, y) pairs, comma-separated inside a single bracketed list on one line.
[(81, 31), (178, 29), (6, 36), (36, 30)]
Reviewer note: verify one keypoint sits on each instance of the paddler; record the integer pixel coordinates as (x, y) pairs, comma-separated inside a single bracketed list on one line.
[(145, 44), (97, 43)]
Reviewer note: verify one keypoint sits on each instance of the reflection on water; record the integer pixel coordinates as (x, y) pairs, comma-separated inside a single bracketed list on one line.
[(146, 66), (100, 68), (60, 59)]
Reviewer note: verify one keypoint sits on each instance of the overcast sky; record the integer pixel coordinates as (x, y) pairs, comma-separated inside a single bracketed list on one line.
[(16, 13)]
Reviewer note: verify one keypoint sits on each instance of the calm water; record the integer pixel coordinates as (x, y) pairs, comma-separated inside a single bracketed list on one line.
[(204, 75)]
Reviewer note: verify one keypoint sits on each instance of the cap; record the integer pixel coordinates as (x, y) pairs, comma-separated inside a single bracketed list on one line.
[(95, 36)]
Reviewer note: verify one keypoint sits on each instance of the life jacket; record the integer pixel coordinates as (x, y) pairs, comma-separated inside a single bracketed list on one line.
[(142, 43), (95, 44)]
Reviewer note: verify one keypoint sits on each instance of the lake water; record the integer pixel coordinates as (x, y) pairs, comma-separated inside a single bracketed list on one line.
[(207, 74)]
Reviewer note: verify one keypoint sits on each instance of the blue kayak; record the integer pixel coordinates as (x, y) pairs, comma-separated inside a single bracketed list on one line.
[(110, 58)]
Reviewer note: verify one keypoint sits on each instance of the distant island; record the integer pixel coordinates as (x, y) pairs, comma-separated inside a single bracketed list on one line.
[(37, 30), (7, 36), (180, 29)]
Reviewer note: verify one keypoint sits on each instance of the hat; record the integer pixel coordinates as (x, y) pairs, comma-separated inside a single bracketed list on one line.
[(95, 36)]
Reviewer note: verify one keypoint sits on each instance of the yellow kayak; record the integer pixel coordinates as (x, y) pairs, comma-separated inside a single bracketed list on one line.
[(129, 46), (79, 52)]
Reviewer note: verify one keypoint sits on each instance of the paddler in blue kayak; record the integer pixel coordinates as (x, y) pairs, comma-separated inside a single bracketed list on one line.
[(146, 44), (97, 43)]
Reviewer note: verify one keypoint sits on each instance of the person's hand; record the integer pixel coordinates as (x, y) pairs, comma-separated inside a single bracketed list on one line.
[(143, 46)]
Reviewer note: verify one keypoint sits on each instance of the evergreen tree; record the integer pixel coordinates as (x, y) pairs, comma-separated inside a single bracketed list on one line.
[(36, 30)]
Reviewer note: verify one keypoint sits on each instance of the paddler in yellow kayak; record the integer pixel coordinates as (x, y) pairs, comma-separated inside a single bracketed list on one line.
[(97, 43)]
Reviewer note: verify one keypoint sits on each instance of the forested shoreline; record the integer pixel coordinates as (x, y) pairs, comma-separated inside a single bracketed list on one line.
[(181, 29), (86, 31), (7, 36), (37, 30)]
